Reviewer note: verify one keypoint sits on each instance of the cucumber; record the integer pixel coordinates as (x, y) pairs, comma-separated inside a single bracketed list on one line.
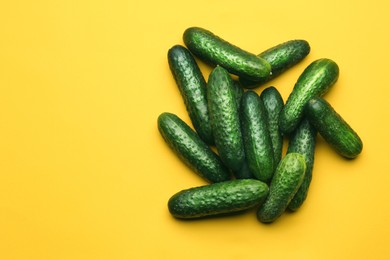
[(238, 92), (257, 141), (285, 183), (273, 103), (303, 141), (218, 198), (224, 118), (333, 128), (244, 172), (192, 86), (281, 57), (212, 49), (315, 80), (191, 149)]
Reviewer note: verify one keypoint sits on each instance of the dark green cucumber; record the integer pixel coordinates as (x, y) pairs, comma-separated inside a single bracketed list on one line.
[(212, 49), (257, 141), (192, 86), (224, 118), (273, 103), (315, 80), (303, 141), (244, 172), (287, 179), (281, 57), (218, 198), (191, 149), (238, 92), (333, 128)]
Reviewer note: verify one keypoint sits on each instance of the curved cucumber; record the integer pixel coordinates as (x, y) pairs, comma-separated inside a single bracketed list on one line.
[(218, 198), (257, 141), (333, 128), (192, 86), (273, 103), (281, 57), (224, 118), (303, 141), (212, 49), (315, 80), (285, 183), (191, 149)]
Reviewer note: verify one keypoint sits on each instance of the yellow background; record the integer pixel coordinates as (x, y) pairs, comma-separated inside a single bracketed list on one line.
[(84, 173)]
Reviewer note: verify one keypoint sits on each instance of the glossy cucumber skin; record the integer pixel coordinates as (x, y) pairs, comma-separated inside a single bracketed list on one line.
[(287, 179), (218, 198), (333, 128), (192, 150), (212, 49), (315, 80), (257, 141), (192, 86), (303, 141), (273, 103), (244, 172), (224, 118), (281, 57)]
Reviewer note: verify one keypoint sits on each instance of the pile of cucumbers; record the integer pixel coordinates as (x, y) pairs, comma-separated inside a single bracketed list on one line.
[(247, 130)]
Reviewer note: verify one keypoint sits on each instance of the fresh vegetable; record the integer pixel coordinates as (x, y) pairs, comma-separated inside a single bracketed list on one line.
[(218, 198), (192, 86), (191, 149), (213, 49), (333, 128), (315, 80)]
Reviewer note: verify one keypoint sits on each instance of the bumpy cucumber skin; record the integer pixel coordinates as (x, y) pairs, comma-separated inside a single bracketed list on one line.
[(257, 141), (192, 150), (212, 49), (192, 86), (281, 57), (287, 179), (238, 92), (333, 128), (273, 103), (218, 198), (303, 141), (224, 118), (315, 80), (244, 172)]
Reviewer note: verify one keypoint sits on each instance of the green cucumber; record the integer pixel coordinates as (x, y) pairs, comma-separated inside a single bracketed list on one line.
[(257, 141), (238, 92), (333, 128), (212, 49), (218, 198), (244, 172), (315, 80), (192, 86), (273, 103), (281, 57), (287, 179), (224, 118), (191, 149), (303, 141)]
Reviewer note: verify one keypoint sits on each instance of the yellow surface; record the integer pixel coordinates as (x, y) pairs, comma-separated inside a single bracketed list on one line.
[(84, 173)]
